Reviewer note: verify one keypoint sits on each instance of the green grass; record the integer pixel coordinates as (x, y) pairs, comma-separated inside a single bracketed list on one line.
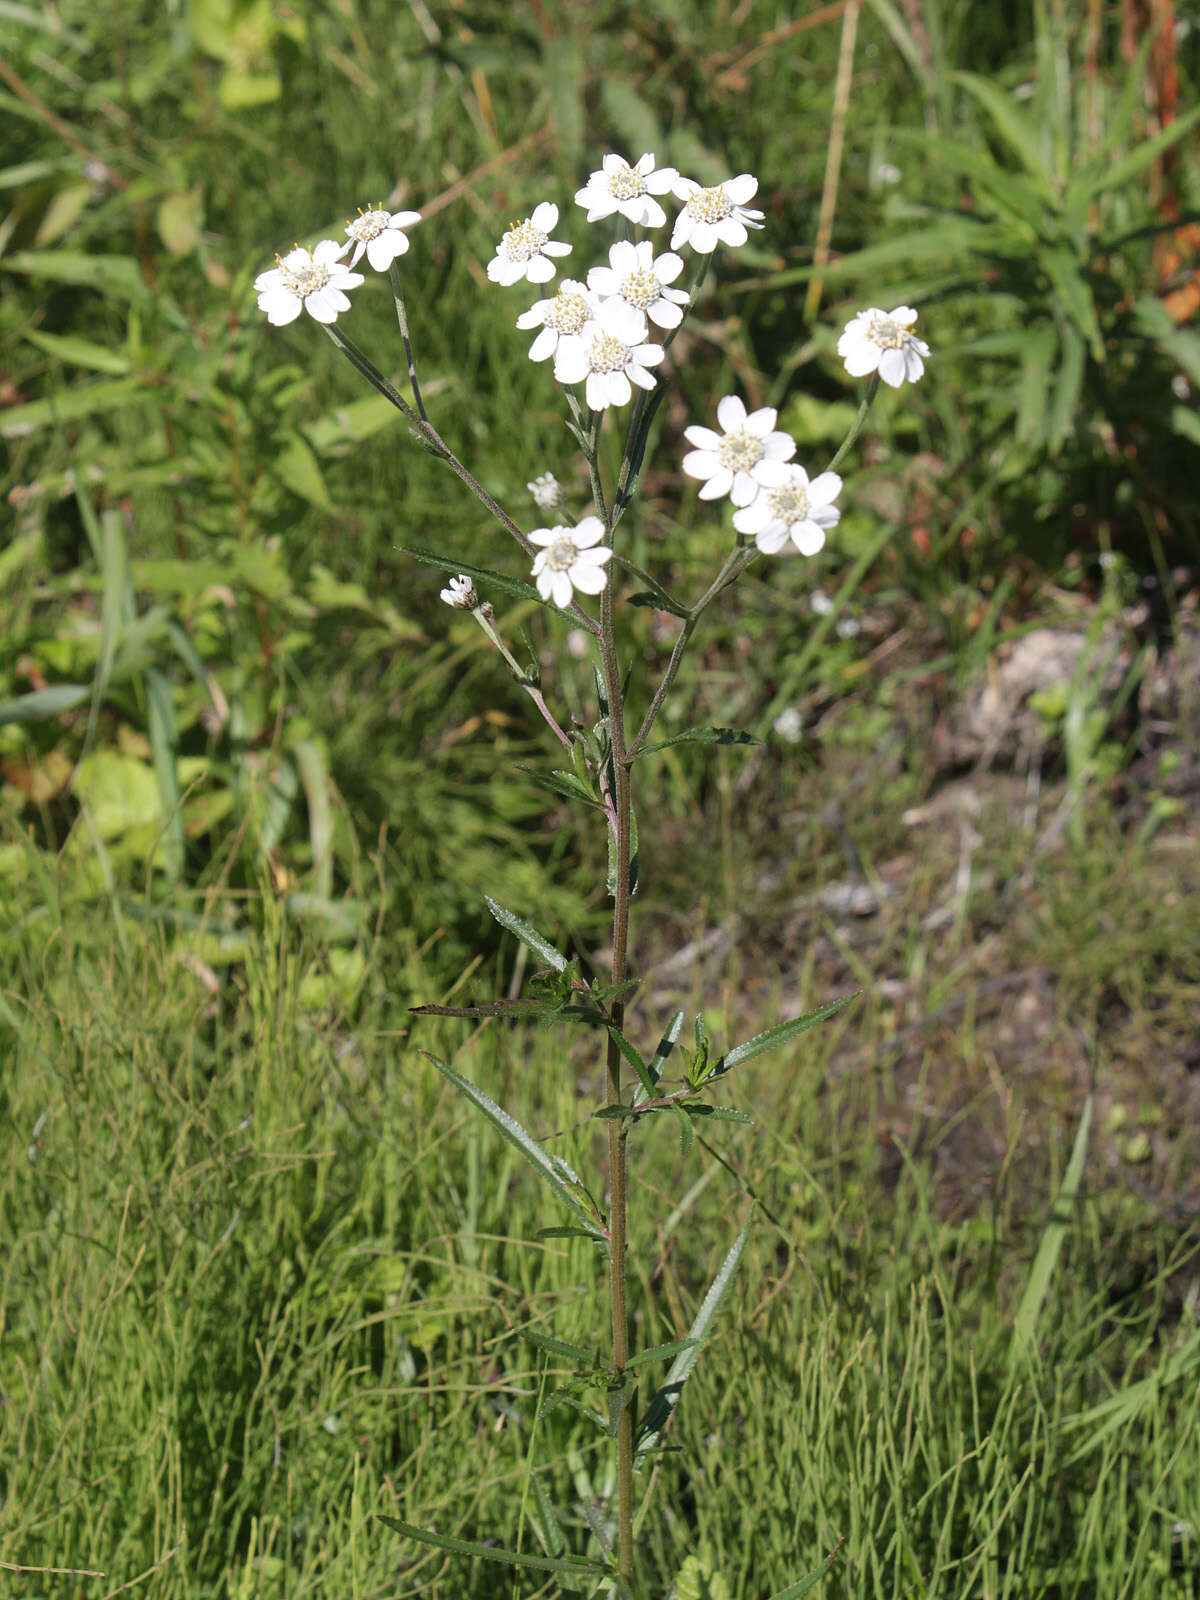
[(262, 1276)]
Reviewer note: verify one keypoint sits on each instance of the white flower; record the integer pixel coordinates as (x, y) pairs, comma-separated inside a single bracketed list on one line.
[(619, 187), (790, 507), (380, 234), (847, 627), (460, 593), (633, 275), (884, 341), (820, 604), (547, 492), (573, 558), (563, 319), (734, 464), (789, 725), (713, 216), (612, 353), (525, 250), (309, 282)]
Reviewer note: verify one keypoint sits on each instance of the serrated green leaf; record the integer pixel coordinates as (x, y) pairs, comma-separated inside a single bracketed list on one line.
[(485, 1552), (566, 784), (687, 1134), (633, 856), (484, 575), (658, 1412), (660, 1352), (552, 1170), (633, 1058), (725, 736), (803, 1585), (541, 947), (657, 602), (559, 1347), (776, 1036), (700, 1110), (665, 1046)]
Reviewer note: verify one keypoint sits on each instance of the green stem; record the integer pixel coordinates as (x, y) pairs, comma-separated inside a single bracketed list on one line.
[(620, 820), (429, 435), (857, 425), (402, 318)]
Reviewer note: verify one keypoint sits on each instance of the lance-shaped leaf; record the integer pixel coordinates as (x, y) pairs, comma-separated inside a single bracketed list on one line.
[(665, 1045), (658, 1412), (633, 1058), (660, 1352), (700, 736), (551, 1169), (803, 1585), (560, 1347), (570, 1565), (484, 575), (542, 948), (567, 784), (762, 1042)]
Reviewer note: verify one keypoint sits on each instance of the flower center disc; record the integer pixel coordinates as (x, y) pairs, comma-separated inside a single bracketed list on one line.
[(889, 335), (561, 555), (740, 451), (304, 281), (625, 184), (640, 289), (568, 313), (789, 503), (709, 205), (523, 242), (369, 226), (608, 354)]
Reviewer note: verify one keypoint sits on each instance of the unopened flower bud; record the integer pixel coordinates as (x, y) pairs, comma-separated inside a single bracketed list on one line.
[(547, 492), (460, 593)]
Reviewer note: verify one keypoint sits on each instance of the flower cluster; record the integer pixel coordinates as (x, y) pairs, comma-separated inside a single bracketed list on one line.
[(600, 331)]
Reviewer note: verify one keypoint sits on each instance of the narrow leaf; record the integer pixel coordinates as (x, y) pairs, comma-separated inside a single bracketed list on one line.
[(489, 1008), (160, 724), (803, 1585), (665, 1045), (633, 1058), (78, 352), (701, 736), (566, 784), (660, 1352), (1137, 160), (559, 1347), (658, 600), (551, 1169), (699, 1111), (762, 1042), (1015, 126), (43, 703), (1052, 1240), (487, 1552), (658, 1412), (542, 948)]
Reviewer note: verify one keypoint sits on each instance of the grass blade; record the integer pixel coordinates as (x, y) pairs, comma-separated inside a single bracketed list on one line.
[(1052, 1240)]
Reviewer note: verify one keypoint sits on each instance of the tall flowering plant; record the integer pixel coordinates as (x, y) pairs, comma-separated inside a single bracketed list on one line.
[(607, 336)]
